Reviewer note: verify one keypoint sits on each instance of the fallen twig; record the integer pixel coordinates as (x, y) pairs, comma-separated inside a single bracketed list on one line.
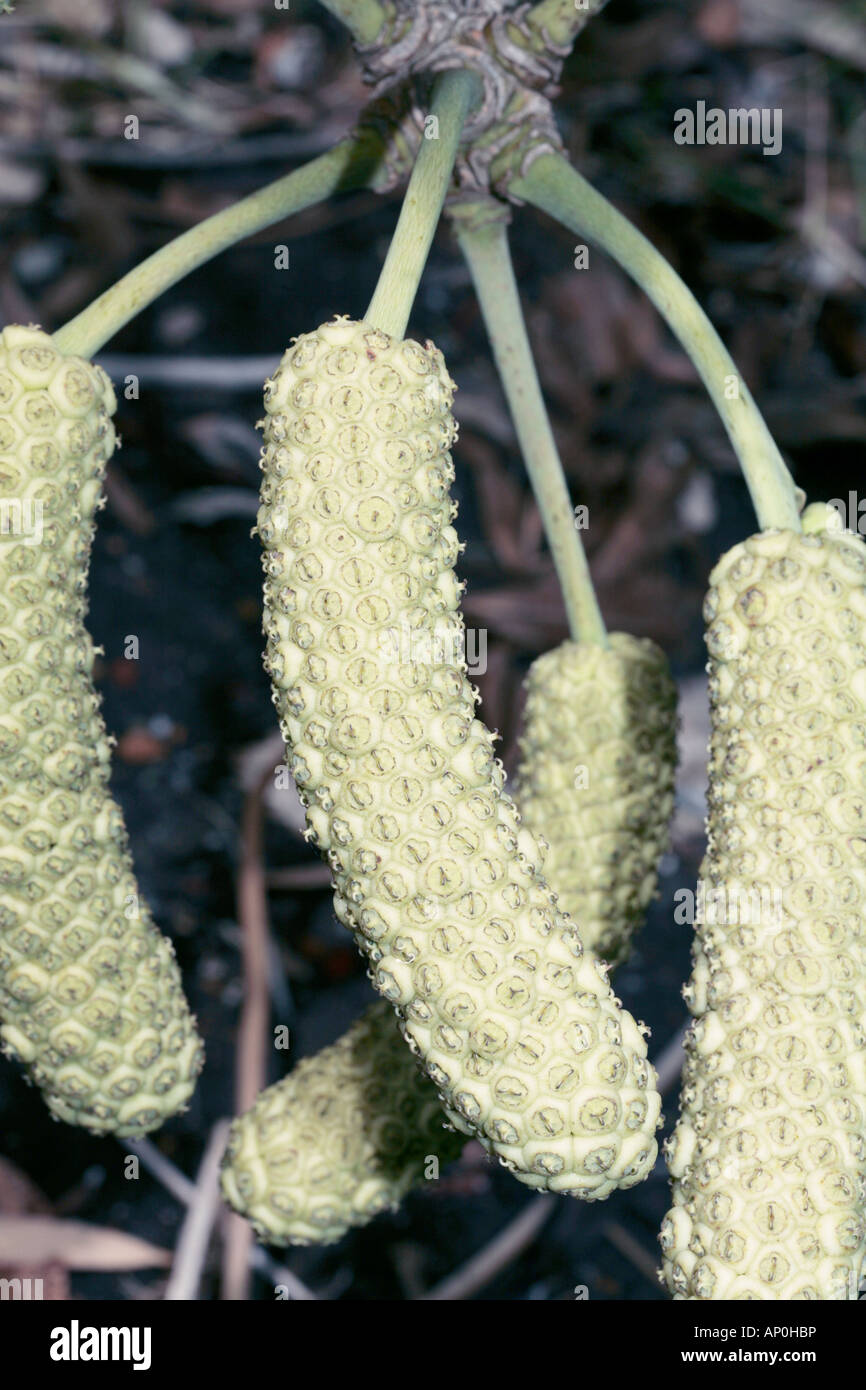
[(251, 1066), (494, 1257), (670, 1061), (192, 1246)]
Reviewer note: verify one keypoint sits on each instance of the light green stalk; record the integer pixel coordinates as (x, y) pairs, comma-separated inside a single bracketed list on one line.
[(485, 245), (395, 292), (349, 165), (553, 186), (363, 18), (562, 20)]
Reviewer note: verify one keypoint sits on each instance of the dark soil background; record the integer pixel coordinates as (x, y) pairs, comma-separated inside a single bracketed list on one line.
[(230, 94)]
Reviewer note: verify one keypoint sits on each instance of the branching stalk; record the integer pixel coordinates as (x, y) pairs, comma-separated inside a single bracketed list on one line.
[(562, 20), (395, 292), (363, 18), (349, 165), (485, 246), (553, 186)]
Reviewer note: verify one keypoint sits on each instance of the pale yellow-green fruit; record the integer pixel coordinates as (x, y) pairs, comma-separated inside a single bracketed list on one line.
[(344, 1137), (348, 1133), (768, 1159), (596, 779), (90, 993), (515, 1024)]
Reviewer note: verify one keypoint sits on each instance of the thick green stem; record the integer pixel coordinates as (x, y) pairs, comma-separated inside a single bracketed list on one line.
[(363, 18), (395, 291), (485, 246), (562, 20), (349, 165), (557, 189)]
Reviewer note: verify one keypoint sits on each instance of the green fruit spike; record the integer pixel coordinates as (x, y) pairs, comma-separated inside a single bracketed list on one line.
[(598, 760), (90, 993), (515, 1024), (345, 1136), (308, 1160), (768, 1159)]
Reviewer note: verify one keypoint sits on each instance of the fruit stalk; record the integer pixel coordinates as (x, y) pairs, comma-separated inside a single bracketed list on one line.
[(560, 21), (363, 18), (551, 185), (453, 96), (350, 164), (484, 242)]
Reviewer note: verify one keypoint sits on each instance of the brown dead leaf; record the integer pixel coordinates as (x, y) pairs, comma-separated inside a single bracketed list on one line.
[(139, 746), (718, 21), (26, 1241), (531, 616), (502, 503), (49, 1283), (18, 1192)]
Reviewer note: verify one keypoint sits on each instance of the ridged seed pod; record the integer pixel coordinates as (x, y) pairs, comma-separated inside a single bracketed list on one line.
[(596, 779), (305, 1163), (344, 1137), (768, 1159), (515, 1024), (90, 993)]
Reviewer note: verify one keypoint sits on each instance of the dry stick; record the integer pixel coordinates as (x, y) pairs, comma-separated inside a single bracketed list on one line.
[(184, 1191), (177, 1183), (669, 1062), (251, 1055), (495, 1256), (303, 877), (185, 373), (484, 243), (552, 185), (633, 1251), (192, 1246)]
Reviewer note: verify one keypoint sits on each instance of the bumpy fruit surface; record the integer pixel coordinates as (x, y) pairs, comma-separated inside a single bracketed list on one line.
[(515, 1024), (306, 1163), (769, 1154), (342, 1138), (598, 760), (90, 993)]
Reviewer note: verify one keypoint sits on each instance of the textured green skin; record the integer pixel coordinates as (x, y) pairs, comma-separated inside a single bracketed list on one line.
[(90, 997), (342, 1138), (768, 1158), (517, 1027), (612, 713), (349, 1132)]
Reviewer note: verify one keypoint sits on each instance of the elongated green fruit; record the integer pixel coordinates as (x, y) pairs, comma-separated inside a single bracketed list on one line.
[(345, 1136), (515, 1024), (598, 760), (768, 1159), (90, 993), (351, 1131)]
